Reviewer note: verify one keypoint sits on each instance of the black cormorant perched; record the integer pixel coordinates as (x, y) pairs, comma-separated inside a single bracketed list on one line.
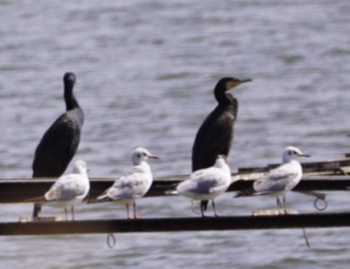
[(60, 142), (215, 135)]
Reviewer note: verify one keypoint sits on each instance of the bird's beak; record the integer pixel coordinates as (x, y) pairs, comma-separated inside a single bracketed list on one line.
[(153, 156), (304, 155), (244, 80), (233, 84)]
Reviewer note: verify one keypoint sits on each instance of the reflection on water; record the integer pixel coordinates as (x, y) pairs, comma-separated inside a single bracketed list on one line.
[(145, 74)]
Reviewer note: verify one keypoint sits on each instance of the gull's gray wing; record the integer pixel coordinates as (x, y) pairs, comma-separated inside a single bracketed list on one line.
[(66, 188), (277, 180), (203, 181), (130, 186)]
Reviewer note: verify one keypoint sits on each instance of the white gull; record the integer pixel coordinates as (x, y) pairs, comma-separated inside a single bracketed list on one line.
[(70, 189), (133, 185), (283, 178), (207, 184)]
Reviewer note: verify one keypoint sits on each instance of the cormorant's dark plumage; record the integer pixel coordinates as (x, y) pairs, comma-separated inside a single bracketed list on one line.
[(60, 142), (215, 135)]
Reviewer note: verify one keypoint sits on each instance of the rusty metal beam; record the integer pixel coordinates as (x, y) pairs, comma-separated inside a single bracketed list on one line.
[(323, 220), (323, 176), (20, 191)]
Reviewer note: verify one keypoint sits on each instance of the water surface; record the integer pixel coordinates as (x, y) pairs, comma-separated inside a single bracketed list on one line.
[(146, 71)]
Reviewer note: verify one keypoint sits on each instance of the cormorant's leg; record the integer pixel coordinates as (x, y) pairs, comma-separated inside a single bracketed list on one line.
[(36, 211)]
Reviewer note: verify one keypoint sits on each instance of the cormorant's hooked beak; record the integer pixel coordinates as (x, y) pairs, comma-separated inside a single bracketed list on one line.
[(234, 83), (244, 80)]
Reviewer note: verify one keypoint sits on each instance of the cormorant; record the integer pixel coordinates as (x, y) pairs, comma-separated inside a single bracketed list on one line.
[(215, 135), (60, 142)]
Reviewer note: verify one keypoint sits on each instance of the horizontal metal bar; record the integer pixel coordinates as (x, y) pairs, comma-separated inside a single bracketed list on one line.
[(20, 191), (177, 224)]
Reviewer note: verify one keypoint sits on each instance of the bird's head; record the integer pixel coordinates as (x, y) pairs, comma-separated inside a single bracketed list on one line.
[(230, 83), (141, 154), (69, 78), (226, 84), (291, 153), (80, 167)]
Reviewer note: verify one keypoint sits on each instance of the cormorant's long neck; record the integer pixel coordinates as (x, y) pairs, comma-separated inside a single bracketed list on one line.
[(226, 101), (224, 98), (71, 102)]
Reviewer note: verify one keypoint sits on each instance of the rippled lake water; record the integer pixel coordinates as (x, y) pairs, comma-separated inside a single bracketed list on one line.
[(146, 71)]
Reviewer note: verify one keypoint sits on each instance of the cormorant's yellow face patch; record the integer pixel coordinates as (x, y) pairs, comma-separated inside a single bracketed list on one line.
[(235, 82), (231, 84)]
